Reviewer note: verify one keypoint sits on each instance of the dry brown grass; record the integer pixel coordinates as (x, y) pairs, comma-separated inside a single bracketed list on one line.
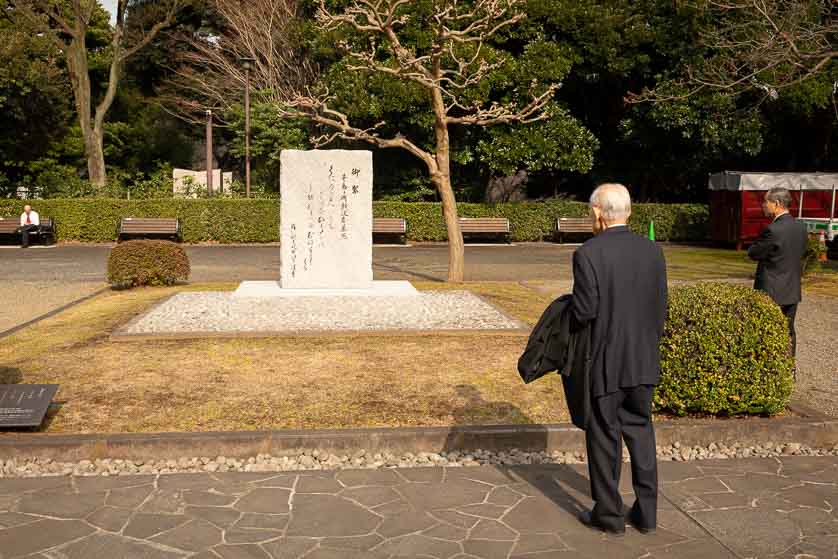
[(283, 382)]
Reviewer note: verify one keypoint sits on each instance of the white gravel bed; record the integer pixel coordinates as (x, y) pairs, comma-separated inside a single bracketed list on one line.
[(361, 459), (221, 312)]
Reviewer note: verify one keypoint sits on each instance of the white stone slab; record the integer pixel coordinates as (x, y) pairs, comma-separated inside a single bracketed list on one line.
[(326, 219), (189, 184), (214, 313), (274, 289)]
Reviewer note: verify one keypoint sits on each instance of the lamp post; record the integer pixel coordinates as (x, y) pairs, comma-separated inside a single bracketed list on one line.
[(246, 64), (209, 152)]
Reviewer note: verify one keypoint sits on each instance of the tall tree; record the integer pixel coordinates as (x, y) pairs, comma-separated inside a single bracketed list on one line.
[(68, 23), (440, 52), (758, 70), (758, 46), (33, 98)]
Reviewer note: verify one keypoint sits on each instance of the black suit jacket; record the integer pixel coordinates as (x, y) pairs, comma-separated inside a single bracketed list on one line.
[(779, 252), (558, 343), (619, 285)]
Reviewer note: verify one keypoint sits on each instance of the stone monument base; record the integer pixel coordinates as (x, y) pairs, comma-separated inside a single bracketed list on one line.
[(273, 289)]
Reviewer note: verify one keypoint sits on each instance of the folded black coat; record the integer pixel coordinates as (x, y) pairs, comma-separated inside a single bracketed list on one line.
[(559, 343)]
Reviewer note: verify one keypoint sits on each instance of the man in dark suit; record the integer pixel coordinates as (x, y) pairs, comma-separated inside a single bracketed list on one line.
[(619, 286), (779, 251)]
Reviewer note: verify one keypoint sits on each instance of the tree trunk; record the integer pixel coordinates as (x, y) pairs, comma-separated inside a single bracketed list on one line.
[(441, 178), (80, 78), (93, 147), (456, 249)]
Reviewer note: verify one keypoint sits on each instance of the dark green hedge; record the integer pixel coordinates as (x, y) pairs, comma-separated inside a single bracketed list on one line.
[(257, 221), (97, 219), (725, 350), (535, 221)]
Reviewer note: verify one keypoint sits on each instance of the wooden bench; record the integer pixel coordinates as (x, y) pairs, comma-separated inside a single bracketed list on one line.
[(565, 225), (45, 231), (143, 227), (390, 227), (494, 226)]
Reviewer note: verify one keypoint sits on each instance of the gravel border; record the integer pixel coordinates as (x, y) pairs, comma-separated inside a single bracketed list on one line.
[(361, 459)]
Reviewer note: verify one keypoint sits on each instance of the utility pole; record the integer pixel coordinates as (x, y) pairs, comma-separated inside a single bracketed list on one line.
[(246, 63), (209, 152)]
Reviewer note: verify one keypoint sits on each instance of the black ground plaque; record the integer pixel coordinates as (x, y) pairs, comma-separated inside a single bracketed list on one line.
[(25, 405)]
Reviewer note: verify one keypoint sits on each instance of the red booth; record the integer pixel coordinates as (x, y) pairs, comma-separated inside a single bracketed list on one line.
[(736, 201)]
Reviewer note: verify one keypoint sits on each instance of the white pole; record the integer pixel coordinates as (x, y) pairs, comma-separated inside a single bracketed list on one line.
[(800, 202)]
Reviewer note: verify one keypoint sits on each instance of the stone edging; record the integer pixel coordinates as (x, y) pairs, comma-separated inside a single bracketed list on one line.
[(815, 432)]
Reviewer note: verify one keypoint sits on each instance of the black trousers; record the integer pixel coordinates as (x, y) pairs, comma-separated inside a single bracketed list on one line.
[(791, 312), (24, 234), (626, 414)]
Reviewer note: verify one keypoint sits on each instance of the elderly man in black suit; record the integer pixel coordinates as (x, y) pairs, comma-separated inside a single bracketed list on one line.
[(619, 286), (779, 251)]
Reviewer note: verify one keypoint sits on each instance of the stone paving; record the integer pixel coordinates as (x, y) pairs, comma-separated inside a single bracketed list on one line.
[(778, 507)]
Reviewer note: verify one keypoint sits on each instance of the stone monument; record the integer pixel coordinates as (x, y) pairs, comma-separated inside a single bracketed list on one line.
[(186, 183), (326, 219), (325, 228)]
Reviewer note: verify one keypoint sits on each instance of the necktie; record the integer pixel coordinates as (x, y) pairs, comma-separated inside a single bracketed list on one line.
[(28, 220)]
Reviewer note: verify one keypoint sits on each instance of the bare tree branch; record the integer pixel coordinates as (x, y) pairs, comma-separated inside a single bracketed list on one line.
[(505, 114), (171, 13), (759, 45)]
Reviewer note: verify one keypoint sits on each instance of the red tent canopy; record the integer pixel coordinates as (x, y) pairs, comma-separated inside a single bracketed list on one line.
[(736, 201)]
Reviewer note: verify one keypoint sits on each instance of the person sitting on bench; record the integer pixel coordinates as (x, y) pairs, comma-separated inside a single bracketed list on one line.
[(29, 222)]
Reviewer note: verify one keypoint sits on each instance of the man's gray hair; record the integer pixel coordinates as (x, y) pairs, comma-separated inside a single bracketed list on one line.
[(779, 196), (613, 201)]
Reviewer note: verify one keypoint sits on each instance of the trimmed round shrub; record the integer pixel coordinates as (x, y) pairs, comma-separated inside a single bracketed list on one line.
[(147, 262), (725, 350)]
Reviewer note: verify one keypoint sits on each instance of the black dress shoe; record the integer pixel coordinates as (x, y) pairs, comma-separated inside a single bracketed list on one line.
[(639, 527), (588, 520)]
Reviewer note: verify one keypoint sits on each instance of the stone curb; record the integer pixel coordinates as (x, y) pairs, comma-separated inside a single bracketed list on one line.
[(815, 432)]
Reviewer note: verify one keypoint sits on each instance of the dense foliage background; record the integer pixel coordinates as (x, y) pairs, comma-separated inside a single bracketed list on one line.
[(600, 51)]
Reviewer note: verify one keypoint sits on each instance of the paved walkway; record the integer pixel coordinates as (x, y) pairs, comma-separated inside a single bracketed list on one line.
[(779, 508), (39, 280), (211, 263), (36, 281)]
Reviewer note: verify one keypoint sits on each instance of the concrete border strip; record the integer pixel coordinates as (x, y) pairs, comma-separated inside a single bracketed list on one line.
[(816, 432)]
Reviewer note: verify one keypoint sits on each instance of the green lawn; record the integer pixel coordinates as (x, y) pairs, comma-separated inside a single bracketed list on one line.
[(698, 263)]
